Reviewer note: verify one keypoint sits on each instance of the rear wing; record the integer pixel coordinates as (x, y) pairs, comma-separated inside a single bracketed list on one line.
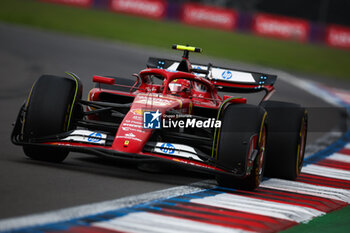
[(231, 80)]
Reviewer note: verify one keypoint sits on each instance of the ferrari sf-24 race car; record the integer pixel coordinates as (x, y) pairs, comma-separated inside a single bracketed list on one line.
[(172, 112)]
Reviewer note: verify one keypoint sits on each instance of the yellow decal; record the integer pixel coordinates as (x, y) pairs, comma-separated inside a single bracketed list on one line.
[(190, 108), (138, 111), (187, 48)]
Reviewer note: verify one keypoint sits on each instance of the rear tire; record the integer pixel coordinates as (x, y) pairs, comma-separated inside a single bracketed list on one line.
[(50, 110), (287, 126), (243, 130)]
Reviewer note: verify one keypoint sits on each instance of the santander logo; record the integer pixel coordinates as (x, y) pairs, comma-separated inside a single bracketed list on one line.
[(208, 16), (281, 27), (81, 3), (338, 36), (150, 8)]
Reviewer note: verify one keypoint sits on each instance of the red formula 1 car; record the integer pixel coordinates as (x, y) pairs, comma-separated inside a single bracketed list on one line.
[(170, 113)]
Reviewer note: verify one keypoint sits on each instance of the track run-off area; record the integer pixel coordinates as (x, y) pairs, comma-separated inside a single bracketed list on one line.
[(202, 206)]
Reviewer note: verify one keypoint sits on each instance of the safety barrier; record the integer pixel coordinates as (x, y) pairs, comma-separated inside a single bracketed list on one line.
[(259, 24)]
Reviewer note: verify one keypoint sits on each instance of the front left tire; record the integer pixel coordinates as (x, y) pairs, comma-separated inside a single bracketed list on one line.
[(50, 110)]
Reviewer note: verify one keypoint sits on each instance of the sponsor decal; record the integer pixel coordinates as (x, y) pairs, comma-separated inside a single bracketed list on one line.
[(153, 100), (226, 74), (338, 36), (216, 73), (133, 129), (281, 27), (137, 111), (232, 75), (153, 89), (179, 150), (131, 135), (134, 122), (80, 3), (167, 148), (206, 16), (147, 8), (133, 125), (127, 138), (86, 136), (95, 137), (197, 68), (151, 120), (138, 118), (199, 95)]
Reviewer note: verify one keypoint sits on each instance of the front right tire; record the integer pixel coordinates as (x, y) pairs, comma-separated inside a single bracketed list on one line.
[(241, 146), (287, 126)]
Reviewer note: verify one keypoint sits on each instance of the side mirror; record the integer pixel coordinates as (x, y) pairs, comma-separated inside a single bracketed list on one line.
[(227, 97), (238, 100), (105, 80)]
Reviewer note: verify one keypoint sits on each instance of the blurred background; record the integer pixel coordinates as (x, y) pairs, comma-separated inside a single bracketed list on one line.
[(317, 11), (311, 37)]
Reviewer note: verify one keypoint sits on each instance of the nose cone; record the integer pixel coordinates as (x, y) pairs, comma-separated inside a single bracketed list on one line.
[(131, 136), (146, 111)]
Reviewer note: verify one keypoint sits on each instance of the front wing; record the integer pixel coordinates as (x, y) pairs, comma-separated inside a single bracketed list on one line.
[(98, 143)]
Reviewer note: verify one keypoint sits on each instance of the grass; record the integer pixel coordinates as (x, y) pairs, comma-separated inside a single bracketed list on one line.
[(292, 56), (335, 222)]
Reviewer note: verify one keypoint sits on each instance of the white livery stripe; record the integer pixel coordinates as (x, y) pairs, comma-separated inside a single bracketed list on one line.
[(340, 157), (310, 189), (235, 76), (143, 222), (327, 172), (86, 136), (258, 206), (347, 146)]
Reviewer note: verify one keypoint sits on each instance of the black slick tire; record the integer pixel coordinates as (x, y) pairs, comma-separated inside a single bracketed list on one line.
[(241, 146), (287, 126), (50, 110)]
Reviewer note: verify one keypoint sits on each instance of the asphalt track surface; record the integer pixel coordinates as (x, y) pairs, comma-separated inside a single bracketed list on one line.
[(28, 186)]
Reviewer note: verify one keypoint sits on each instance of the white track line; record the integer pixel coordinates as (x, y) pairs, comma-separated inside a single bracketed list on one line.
[(340, 157), (310, 189), (343, 95), (326, 171), (143, 222), (309, 87), (257, 206)]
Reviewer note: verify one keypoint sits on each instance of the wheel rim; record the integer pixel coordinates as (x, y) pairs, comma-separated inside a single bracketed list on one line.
[(261, 157), (301, 146)]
